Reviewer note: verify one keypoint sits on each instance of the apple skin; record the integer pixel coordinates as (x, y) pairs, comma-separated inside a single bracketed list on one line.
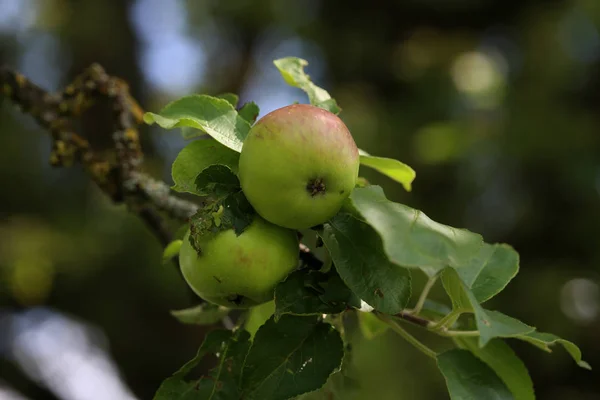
[(240, 271), (297, 166)]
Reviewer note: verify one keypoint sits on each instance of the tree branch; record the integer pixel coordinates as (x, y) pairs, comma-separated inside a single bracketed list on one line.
[(116, 174), (407, 316)]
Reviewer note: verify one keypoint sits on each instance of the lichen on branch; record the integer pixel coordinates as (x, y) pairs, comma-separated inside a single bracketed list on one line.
[(116, 172)]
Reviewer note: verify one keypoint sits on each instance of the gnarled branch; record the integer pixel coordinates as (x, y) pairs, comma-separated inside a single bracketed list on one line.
[(118, 176)]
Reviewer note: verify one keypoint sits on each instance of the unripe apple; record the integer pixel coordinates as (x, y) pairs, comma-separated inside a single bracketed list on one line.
[(298, 165), (240, 271)]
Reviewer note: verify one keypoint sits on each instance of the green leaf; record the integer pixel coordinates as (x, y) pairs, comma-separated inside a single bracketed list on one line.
[(292, 71), (343, 384), (188, 133), (434, 310), (468, 378), (394, 169), (181, 231), (507, 365), (410, 238), (358, 256), (195, 158), (309, 292), (370, 325), (212, 115), (231, 98), (490, 271), (257, 316), (237, 212), (203, 314), (249, 112), (220, 383), (457, 291), (217, 180), (491, 324), (292, 356), (220, 214), (171, 251), (545, 340)]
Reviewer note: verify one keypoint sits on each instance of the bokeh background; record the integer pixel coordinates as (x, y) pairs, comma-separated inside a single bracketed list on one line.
[(496, 105)]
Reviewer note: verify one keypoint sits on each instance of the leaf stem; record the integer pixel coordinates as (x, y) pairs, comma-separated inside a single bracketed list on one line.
[(448, 319), (407, 336), (428, 285), (458, 333)]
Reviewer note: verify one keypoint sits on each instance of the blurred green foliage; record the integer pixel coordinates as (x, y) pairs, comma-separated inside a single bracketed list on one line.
[(493, 103)]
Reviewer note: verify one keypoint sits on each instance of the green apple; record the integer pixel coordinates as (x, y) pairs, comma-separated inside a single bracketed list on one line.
[(240, 271), (298, 165)]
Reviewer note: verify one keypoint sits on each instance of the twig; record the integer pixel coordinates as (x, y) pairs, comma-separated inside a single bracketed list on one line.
[(439, 327), (445, 332), (447, 320), (407, 336), (118, 176), (158, 194), (428, 285), (408, 316)]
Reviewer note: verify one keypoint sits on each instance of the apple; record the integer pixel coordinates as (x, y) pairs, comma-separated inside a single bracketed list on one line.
[(240, 271), (297, 166)]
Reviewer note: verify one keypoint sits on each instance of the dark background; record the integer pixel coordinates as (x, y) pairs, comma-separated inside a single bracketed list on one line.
[(494, 104)]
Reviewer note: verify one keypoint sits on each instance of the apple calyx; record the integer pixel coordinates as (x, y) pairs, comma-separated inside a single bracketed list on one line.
[(316, 187)]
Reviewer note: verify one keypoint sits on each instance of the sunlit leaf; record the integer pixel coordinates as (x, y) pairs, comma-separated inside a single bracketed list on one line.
[(249, 112), (191, 133), (231, 98), (394, 169), (212, 115), (195, 158), (292, 70), (410, 238)]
